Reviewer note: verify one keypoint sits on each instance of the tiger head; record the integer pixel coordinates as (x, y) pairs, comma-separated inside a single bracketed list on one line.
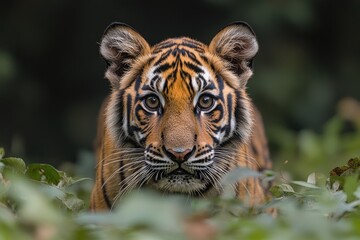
[(179, 106)]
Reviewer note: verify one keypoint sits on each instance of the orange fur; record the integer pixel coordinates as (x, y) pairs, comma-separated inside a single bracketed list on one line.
[(177, 145)]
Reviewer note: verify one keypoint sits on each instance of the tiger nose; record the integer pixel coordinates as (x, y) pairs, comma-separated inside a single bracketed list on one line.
[(179, 154)]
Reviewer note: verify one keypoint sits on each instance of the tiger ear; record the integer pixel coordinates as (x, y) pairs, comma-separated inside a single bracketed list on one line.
[(237, 44), (120, 46)]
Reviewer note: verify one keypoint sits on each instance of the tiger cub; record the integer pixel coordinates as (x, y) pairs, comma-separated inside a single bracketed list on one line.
[(178, 117)]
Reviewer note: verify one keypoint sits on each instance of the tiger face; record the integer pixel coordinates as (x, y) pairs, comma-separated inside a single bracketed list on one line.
[(178, 117)]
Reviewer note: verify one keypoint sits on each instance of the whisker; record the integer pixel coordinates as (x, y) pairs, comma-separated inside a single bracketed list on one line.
[(250, 161), (118, 171), (194, 192), (246, 188), (118, 153), (130, 182), (135, 160), (214, 178), (149, 176)]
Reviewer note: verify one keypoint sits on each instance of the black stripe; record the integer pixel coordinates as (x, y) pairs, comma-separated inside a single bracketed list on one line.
[(197, 47), (191, 41), (187, 77), (138, 116), (254, 150), (128, 112), (205, 59), (103, 187), (163, 57), (151, 60), (220, 82), (193, 57), (137, 83), (210, 86), (239, 108), (203, 81), (160, 46), (190, 44), (146, 87), (122, 176), (215, 140), (219, 108), (162, 68), (202, 153), (120, 109), (177, 52), (194, 67), (182, 51), (152, 85)]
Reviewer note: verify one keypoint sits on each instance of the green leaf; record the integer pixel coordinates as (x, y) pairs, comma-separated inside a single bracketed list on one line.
[(2, 153), (350, 186), (311, 178), (238, 174), (6, 215), (67, 181), (317, 179), (15, 165), (152, 210), (33, 206), (43, 173), (71, 202), (235, 175), (305, 184), (282, 190), (276, 191)]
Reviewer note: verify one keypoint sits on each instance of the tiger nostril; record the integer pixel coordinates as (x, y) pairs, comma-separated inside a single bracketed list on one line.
[(179, 154)]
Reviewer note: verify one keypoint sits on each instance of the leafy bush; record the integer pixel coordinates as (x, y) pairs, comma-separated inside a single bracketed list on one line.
[(319, 151), (39, 202)]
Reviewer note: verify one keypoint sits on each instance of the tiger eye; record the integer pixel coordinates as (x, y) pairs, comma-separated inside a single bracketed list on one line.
[(152, 102), (205, 102)]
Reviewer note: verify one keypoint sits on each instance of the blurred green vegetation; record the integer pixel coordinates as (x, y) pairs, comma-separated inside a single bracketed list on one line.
[(321, 151), (39, 202)]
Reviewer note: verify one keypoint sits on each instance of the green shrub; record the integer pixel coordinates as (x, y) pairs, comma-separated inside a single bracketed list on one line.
[(39, 202)]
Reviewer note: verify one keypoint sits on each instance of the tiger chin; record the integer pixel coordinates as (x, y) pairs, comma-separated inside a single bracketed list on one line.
[(178, 117)]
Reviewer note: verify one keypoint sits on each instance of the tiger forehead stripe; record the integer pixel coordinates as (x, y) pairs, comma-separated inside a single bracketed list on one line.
[(179, 58), (181, 41)]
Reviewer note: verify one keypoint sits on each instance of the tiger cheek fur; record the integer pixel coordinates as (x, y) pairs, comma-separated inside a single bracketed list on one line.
[(178, 118)]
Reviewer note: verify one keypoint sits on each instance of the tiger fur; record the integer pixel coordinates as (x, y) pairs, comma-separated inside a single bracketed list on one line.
[(178, 118)]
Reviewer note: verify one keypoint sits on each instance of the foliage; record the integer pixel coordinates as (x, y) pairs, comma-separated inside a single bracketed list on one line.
[(319, 150), (37, 202)]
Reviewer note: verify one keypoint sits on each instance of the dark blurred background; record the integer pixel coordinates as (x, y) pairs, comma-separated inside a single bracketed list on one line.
[(51, 73)]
